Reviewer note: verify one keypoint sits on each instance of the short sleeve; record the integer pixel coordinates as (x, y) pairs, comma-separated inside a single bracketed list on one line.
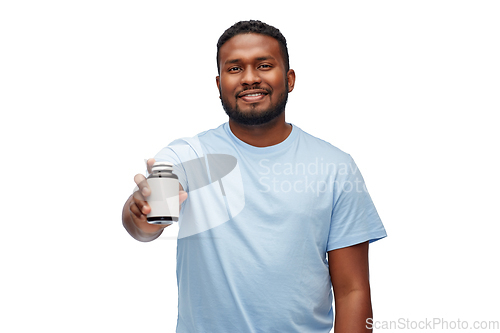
[(354, 218)]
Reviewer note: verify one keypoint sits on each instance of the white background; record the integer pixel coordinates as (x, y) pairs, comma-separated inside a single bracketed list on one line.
[(89, 89)]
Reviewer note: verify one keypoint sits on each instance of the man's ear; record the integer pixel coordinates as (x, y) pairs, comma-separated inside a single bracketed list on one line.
[(291, 79), (217, 80)]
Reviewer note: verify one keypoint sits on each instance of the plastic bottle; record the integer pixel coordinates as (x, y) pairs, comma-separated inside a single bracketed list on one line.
[(164, 198)]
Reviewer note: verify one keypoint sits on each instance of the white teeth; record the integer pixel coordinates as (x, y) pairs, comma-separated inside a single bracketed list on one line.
[(252, 95)]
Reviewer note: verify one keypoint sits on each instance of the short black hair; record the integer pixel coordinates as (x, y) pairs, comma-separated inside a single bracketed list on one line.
[(258, 27)]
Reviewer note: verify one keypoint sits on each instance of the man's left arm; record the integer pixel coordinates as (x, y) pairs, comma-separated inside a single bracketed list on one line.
[(351, 288)]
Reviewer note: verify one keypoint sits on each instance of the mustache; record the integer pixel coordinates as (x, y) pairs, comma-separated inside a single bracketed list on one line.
[(254, 88)]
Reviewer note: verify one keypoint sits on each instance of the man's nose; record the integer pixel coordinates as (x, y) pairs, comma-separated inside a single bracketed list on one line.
[(250, 76)]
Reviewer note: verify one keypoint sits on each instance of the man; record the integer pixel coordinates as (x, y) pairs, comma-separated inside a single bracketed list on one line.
[(254, 239)]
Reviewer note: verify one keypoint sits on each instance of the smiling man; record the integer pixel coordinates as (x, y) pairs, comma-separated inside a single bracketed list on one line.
[(300, 237), (255, 80)]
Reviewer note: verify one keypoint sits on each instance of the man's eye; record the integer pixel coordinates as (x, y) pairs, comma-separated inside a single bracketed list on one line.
[(233, 69), (264, 66)]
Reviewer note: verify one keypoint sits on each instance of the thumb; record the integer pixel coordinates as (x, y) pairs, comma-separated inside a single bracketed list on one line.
[(182, 196), (149, 164)]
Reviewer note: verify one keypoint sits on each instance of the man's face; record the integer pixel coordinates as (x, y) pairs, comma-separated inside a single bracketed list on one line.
[(253, 84)]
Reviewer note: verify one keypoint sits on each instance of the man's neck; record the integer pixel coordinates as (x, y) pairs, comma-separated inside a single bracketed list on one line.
[(264, 135)]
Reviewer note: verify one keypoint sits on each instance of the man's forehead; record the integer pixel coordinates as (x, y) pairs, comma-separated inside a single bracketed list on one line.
[(250, 45)]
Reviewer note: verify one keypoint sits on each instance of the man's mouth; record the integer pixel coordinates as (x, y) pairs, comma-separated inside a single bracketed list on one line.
[(252, 96)]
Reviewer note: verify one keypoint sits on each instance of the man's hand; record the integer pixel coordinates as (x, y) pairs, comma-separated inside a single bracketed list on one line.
[(136, 209)]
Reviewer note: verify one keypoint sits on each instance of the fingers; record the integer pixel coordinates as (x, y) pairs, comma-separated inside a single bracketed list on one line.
[(139, 196), (136, 211), (143, 191), (149, 164), (141, 204), (182, 196), (142, 184), (140, 220)]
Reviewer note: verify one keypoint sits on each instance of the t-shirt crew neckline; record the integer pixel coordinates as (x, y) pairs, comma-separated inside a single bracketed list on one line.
[(263, 150)]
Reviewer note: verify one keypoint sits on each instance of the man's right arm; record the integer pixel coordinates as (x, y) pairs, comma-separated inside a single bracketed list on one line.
[(136, 209)]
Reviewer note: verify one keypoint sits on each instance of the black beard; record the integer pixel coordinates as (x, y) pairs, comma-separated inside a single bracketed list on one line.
[(255, 118)]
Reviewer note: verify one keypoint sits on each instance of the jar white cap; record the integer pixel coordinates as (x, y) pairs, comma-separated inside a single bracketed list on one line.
[(163, 164), (158, 166)]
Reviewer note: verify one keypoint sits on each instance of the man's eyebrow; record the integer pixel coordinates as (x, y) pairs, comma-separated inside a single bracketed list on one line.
[(235, 61), (265, 58), (232, 61)]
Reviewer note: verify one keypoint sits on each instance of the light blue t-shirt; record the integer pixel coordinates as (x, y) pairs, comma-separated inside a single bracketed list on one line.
[(256, 227)]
